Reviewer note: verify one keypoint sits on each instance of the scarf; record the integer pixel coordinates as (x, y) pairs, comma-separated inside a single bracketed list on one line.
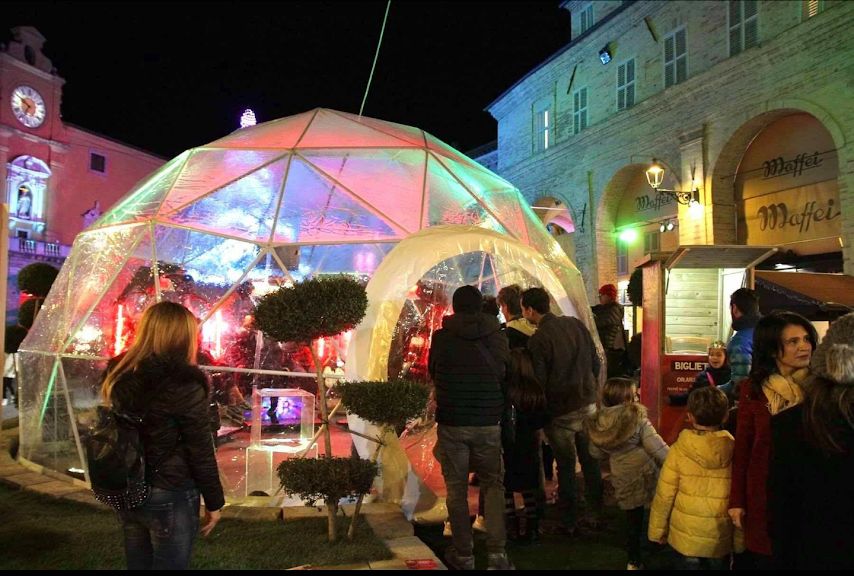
[(783, 392)]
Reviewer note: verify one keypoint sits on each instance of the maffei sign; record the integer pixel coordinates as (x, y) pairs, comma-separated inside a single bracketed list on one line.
[(786, 184)]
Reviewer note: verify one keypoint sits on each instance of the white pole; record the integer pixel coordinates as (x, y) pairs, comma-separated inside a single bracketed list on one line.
[(4, 279)]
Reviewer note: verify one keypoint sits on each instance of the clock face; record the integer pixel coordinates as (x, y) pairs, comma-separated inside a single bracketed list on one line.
[(28, 106)]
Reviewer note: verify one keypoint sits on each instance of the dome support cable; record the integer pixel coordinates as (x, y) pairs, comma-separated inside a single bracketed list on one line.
[(376, 55)]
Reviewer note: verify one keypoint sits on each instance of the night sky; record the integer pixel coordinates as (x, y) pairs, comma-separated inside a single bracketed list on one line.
[(170, 76)]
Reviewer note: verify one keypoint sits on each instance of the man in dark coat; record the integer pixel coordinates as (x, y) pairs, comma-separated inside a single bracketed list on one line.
[(468, 359), (566, 362), (609, 323)]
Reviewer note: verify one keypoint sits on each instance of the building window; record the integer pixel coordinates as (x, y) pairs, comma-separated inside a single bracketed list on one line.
[(544, 129), (586, 18), (626, 85), (812, 8), (743, 26), (23, 234), (675, 58), (622, 258), (579, 115), (97, 162), (651, 242)]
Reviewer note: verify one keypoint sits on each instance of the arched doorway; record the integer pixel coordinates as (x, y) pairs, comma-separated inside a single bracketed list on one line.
[(555, 215), (436, 254), (786, 193), (632, 221)]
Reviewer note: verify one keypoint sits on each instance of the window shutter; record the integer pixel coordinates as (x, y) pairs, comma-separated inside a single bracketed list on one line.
[(584, 98), (680, 43), (751, 24), (621, 76), (669, 67), (750, 9), (621, 99), (734, 41), (734, 13), (630, 95), (630, 71), (751, 33)]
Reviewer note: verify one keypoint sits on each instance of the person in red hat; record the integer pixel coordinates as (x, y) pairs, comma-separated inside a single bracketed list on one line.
[(609, 323)]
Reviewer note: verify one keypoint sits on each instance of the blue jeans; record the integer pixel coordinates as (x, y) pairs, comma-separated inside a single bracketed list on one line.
[(567, 438), (159, 535), (478, 448)]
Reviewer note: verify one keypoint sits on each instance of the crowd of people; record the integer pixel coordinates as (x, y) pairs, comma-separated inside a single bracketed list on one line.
[(757, 479), (773, 494)]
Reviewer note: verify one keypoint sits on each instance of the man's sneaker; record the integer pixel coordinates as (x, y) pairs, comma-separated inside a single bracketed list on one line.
[(446, 531), (457, 562), (633, 566), (499, 561), (479, 524)]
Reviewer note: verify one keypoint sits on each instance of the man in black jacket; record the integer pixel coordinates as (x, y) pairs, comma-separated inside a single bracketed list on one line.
[(566, 362), (467, 363)]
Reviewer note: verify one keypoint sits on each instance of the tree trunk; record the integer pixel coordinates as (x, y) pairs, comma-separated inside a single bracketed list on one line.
[(331, 513), (351, 531), (321, 392)]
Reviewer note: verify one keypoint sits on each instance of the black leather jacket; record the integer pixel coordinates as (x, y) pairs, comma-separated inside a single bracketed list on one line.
[(176, 432)]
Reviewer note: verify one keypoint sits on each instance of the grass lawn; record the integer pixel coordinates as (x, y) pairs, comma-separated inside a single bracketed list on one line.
[(602, 550), (39, 532)]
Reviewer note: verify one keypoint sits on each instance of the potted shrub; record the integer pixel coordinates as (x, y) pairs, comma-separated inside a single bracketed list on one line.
[(313, 309), (389, 405), (328, 479)]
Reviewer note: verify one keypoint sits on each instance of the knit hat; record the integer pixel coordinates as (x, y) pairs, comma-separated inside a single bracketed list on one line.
[(609, 290), (467, 299), (834, 357)]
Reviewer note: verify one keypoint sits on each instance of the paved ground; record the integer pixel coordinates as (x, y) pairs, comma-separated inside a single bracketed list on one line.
[(386, 520)]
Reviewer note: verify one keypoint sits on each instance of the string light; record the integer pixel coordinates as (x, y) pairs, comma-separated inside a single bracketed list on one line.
[(248, 118)]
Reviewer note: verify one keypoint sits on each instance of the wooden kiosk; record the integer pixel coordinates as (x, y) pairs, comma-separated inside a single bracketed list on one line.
[(685, 308)]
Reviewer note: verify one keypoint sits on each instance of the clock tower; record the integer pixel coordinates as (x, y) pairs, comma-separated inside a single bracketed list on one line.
[(56, 178), (33, 142)]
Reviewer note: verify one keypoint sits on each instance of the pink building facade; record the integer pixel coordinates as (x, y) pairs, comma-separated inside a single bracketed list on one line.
[(58, 178)]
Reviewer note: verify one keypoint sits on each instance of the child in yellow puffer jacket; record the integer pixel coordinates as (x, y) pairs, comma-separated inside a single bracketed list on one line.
[(689, 510)]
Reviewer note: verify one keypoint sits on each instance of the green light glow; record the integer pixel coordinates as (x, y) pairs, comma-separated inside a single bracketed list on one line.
[(629, 236), (49, 392)]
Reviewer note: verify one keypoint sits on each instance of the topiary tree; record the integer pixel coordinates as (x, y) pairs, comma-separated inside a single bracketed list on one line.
[(635, 287), (27, 312), (313, 309), (37, 278), (309, 310), (387, 404), (328, 479)]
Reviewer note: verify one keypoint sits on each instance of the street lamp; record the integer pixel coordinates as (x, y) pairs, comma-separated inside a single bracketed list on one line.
[(655, 176)]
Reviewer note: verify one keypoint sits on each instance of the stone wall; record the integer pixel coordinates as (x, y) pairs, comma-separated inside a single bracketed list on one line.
[(701, 126)]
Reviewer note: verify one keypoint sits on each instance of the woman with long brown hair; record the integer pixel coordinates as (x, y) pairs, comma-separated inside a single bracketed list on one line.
[(783, 344), (810, 495), (157, 379)]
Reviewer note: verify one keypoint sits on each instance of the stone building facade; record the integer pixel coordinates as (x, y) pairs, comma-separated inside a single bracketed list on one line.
[(748, 102)]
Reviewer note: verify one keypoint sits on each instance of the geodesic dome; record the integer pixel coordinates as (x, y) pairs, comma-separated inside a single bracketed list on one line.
[(220, 225)]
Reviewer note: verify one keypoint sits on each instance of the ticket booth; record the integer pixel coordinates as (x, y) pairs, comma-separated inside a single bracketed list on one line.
[(686, 308)]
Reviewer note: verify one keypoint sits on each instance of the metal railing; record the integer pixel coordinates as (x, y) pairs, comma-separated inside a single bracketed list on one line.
[(38, 247)]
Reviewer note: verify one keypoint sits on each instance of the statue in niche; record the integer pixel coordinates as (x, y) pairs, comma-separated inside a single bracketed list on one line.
[(25, 202), (92, 214)]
